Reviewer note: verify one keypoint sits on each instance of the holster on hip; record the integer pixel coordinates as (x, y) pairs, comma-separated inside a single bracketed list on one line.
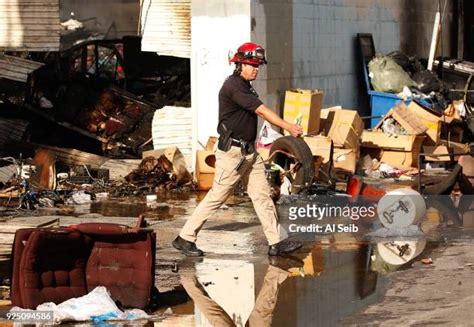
[(225, 139)]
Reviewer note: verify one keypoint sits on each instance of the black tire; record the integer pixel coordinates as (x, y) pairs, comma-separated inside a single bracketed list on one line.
[(298, 148)]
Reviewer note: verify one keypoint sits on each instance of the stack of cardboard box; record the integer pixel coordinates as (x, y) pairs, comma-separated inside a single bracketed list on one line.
[(304, 108), (336, 136), (344, 127), (422, 130), (332, 134), (400, 150)]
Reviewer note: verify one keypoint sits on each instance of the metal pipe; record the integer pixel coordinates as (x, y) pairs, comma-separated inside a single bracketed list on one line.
[(434, 38)]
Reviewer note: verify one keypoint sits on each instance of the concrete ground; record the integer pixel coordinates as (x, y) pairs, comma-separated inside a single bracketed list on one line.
[(441, 293)]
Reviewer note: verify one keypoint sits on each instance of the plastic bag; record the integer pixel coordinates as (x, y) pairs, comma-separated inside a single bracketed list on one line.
[(267, 135), (391, 126), (81, 197), (387, 76), (400, 58), (285, 188), (405, 94), (97, 306), (427, 81), (98, 302)]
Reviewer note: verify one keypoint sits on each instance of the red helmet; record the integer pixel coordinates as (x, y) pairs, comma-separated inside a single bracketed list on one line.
[(250, 53)]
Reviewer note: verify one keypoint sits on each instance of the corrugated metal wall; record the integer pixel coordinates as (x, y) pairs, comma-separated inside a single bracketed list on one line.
[(29, 25), (17, 69), (172, 126), (166, 27)]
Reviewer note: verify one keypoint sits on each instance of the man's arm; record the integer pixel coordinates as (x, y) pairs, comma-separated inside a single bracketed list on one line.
[(267, 114)]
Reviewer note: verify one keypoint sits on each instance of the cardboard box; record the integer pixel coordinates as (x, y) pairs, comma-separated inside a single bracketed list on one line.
[(320, 146), (326, 111), (345, 160), (408, 119), (447, 148), (439, 149), (322, 149), (343, 126), (304, 105), (455, 147), (400, 159), (176, 158), (424, 113), (205, 168), (431, 121), (392, 142)]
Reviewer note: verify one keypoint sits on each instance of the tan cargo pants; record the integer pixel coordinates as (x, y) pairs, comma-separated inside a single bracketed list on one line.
[(252, 174)]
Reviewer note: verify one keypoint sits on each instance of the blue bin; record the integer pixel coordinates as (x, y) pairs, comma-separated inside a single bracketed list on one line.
[(380, 104)]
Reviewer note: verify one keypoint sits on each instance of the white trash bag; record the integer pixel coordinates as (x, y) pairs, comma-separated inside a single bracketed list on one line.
[(96, 306), (267, 134)]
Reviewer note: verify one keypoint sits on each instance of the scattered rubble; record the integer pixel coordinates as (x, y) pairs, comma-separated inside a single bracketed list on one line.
[(94, 102), (62, 177)]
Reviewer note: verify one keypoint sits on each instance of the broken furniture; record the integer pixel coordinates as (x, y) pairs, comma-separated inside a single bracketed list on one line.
[(8, 230), (56, 264)]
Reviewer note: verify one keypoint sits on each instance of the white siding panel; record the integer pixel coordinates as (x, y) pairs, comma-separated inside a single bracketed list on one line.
[(17, 69), (172, 126), (29, 25), (166, 27)]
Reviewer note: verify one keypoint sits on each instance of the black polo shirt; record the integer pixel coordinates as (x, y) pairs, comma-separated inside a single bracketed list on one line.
[(237, 104)]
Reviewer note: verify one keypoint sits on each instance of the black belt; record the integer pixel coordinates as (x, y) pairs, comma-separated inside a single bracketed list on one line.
[(246, 147), (235, 143)]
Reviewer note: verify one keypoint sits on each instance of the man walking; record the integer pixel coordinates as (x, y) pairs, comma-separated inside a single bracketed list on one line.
[(236, 158)]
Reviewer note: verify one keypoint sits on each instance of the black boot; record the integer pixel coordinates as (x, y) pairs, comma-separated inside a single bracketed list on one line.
[(186, 247), (283, 247)]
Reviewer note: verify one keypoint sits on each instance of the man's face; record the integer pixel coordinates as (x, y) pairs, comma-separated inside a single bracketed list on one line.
[(249, 72)]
